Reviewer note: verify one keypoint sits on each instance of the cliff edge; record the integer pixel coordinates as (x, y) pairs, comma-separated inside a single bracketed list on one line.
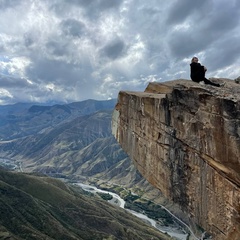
[(184, 138)]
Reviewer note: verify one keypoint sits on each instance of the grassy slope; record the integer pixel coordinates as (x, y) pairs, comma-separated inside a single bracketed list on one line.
[(34, 207)]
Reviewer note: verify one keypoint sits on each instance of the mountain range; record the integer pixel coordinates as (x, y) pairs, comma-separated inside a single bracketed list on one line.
[(71, 141)]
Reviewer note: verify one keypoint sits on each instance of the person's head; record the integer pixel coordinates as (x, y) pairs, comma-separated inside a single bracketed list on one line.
[(195, 59)]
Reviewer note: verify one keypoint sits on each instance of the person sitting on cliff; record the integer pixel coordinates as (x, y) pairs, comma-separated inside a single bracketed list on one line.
[(198, 73)]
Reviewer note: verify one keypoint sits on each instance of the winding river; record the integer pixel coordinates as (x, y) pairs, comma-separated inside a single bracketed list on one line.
[(117, 200)]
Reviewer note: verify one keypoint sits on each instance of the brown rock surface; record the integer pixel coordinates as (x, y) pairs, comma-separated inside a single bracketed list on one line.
[(185, 139)]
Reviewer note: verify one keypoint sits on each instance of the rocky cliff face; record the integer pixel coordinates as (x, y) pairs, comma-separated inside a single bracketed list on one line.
[(184, 138)]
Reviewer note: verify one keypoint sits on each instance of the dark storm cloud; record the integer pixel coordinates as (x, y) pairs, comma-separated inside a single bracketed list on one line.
[(8, 4), (180, 10), (52, 71), (64, 75), (220, 20), (91, 8), (56, 80), (82, 3), (2, 48), (99, 4), (185, 43), (13, 82), (200, 30), (224, 52), (28, 40), (114, 49), (56, 48), (72, 27)]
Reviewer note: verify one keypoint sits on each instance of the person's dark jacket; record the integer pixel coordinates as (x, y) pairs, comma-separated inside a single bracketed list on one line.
[(197, 72)]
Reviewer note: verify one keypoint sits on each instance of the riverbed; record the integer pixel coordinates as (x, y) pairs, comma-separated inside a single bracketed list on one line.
[(117, 200)]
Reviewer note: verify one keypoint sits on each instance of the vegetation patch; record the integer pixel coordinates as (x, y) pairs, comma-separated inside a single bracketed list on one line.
[(136, 203), (152, 210), (105, 196)]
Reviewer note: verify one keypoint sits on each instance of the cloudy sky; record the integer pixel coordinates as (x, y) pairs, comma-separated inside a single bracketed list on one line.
[(72, 50)]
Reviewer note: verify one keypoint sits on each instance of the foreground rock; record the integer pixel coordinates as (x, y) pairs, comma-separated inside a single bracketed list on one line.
[(185, 139)]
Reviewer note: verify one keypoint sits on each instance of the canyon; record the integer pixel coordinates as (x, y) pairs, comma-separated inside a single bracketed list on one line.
[(184, 138)]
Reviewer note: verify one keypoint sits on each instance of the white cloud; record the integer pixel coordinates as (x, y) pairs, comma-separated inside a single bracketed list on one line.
[(5, 94), (15, 66)]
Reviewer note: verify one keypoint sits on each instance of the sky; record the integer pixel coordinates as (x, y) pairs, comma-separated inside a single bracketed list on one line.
[(72, 50)]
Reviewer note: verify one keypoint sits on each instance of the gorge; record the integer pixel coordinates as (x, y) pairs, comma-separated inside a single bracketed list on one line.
[(184, 138)]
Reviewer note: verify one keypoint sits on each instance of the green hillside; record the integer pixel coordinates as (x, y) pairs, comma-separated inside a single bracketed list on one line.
[(34, 207)]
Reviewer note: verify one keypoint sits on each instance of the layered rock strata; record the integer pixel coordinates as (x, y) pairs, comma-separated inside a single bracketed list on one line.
[(184, 138)]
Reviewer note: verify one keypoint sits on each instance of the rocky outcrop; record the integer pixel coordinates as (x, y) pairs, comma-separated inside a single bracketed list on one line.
[(184, 138)]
